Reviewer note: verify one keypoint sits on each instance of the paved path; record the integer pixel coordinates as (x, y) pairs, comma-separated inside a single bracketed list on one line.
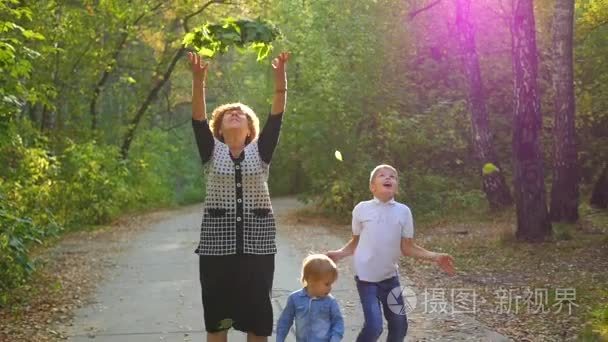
[(152, 292)]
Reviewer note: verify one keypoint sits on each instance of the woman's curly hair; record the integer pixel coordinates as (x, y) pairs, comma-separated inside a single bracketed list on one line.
[(218, 115)]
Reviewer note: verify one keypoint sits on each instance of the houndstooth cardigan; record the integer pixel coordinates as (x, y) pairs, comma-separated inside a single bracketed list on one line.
[(237, 212)]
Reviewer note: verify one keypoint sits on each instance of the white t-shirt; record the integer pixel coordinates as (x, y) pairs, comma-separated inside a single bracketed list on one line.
[(380, 226)]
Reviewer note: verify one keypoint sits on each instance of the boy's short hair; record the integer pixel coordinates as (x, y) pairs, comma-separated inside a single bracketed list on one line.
[(372, 175), (316, 266)]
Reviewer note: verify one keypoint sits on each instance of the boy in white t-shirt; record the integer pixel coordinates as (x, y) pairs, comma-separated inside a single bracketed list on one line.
[(383, 230)]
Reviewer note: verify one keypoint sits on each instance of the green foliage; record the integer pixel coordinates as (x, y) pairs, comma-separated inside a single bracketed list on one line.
[(17, 234), (87, 183), (211, 39), (16, 56), (170, 173), (600, 321), (591, 75), (25, 220), (92, 182), (592, 14), (597, 326), (347, 99)]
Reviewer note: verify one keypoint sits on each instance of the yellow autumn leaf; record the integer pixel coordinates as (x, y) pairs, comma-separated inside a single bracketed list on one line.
[(338, 155)]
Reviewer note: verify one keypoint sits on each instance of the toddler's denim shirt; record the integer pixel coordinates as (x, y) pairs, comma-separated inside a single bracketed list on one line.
[(318, 319)]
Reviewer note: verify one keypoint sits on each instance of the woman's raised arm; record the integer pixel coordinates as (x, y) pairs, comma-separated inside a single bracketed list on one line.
[(279, 100), (199, 77), (202, 133), (270, 133)]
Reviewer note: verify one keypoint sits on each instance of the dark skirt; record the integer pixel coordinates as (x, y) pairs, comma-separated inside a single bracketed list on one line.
[(236, 291)]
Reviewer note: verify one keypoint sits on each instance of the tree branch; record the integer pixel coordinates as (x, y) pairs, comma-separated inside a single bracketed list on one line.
[(153, 93), (199, 11), (178, 125), (113, 59), (414, 13)]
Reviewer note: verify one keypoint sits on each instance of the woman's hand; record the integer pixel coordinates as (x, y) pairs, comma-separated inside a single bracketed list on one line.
[(199, 67), (280, 73), (199, 76)]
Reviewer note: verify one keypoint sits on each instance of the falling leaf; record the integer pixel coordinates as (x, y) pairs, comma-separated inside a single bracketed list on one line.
[(489, 168), (338, 155)]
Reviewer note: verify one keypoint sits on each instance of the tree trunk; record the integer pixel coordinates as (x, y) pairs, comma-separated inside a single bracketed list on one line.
[(564, 190), (599, 196), (46, 120), (49, 115), (533, 223), (494, 184), (97, 91)]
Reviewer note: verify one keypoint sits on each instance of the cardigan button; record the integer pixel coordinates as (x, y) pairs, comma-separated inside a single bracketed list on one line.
[(238, 185), (239, 200), (238, 219), (237, 167)]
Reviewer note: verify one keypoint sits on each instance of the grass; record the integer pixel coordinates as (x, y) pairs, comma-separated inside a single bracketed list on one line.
[(563, 231)]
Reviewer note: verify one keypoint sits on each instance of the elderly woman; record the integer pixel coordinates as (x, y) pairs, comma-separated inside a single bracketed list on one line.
[(237, 241)]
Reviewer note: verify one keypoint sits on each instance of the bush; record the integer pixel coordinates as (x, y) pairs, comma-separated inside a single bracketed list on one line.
[(87, 183), (17, 234), (91, 186), (26, 183)]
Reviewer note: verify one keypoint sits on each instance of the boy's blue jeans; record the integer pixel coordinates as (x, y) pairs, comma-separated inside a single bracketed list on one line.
[(374, 294)]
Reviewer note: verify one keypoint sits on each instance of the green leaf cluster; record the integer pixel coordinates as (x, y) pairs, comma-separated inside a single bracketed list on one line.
[(211, 39)]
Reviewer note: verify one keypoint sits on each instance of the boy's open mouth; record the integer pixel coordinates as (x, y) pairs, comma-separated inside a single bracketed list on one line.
[(387, 185)]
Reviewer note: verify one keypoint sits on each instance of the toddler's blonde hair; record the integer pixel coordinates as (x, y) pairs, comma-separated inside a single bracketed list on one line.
[(317, 266)]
